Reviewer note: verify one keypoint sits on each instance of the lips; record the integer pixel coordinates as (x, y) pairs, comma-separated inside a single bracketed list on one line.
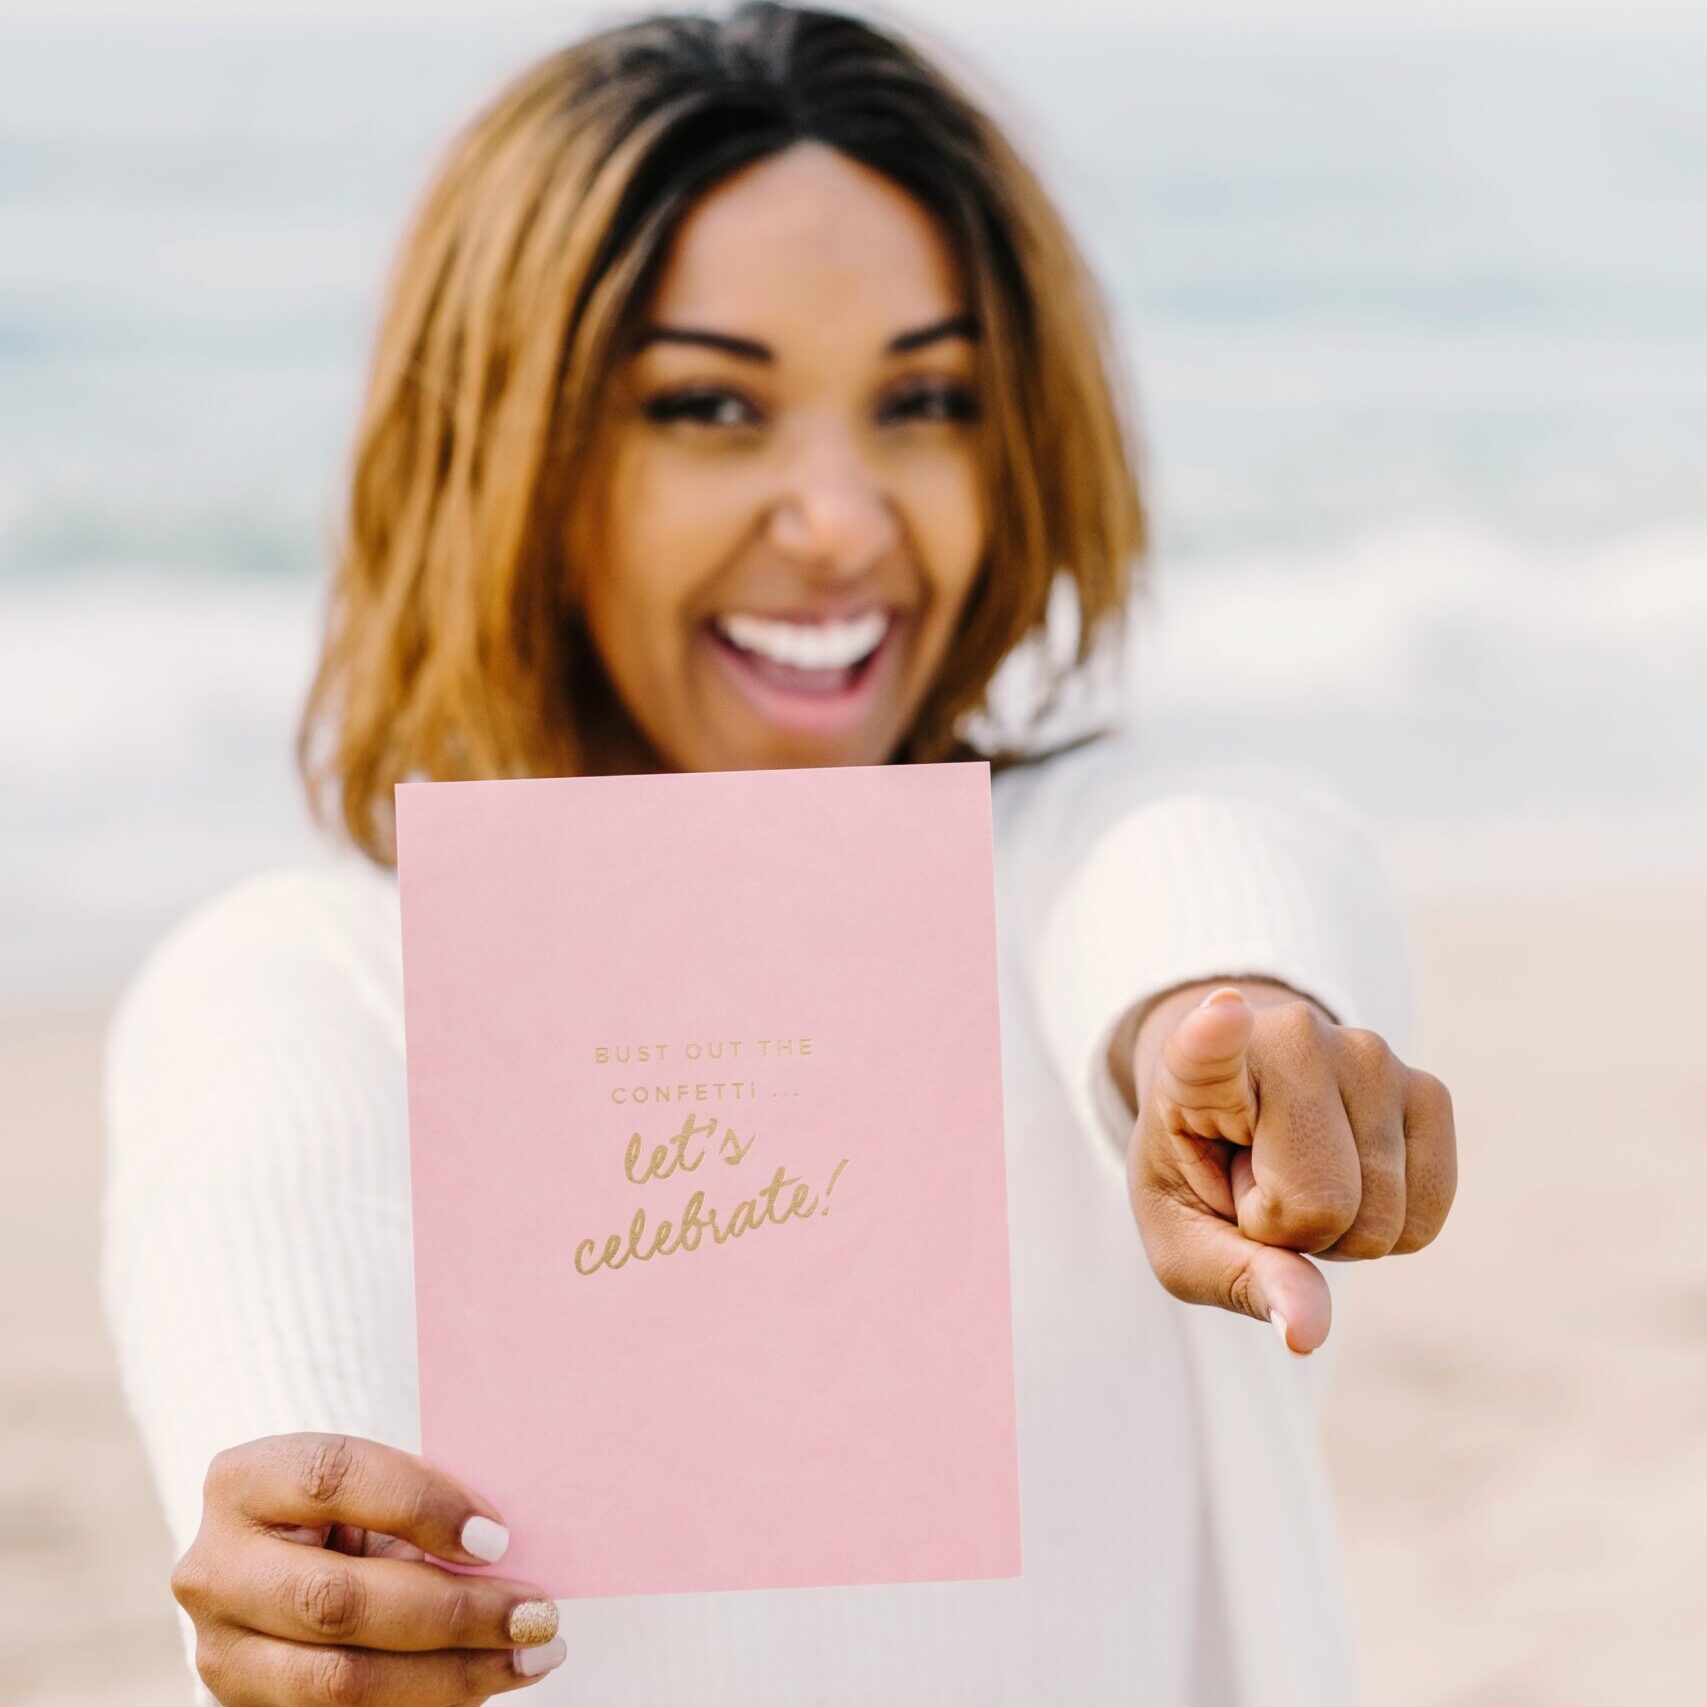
[(793, 678), (809, 701)]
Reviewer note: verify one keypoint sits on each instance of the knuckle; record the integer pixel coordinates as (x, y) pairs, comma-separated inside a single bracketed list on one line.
[(422, 1507), (329, 1603), (1368, 1055), (340, 1677), (1366, 1045), (1297, 1021), (462, 1621), (327, 1468), (1314, 1220), (1239, 1292), (1289, 1036), (1433, 1095), (190, 1581)]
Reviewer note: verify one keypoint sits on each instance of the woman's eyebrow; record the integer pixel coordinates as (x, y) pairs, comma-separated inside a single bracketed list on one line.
[(750, 349), (955, 326)]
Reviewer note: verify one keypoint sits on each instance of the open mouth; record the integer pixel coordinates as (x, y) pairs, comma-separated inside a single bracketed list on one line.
[(820, 681)]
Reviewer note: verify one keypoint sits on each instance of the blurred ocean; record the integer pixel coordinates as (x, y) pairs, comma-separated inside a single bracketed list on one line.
[(1418, 332)]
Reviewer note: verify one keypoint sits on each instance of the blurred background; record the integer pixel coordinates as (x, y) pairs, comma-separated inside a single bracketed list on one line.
[(1416, 310)]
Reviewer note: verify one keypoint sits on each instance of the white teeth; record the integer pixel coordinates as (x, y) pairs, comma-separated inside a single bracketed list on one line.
[(807, 646)]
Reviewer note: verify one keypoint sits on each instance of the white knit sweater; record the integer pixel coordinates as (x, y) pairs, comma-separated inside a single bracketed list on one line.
[(1177, 1532)]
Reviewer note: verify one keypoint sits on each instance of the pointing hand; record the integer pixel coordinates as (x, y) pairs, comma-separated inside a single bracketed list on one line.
[(1267, 1131)]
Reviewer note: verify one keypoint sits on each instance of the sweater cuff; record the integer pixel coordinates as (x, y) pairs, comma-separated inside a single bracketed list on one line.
[(1196, 887)]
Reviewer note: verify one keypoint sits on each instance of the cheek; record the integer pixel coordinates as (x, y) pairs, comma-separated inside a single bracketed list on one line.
[(949, 518), (667, 527)]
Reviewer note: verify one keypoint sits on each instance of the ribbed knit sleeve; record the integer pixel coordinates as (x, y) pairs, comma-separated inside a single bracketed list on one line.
[(256, 1269), (1141, 879)]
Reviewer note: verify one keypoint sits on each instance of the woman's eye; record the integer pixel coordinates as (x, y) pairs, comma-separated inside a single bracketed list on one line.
[(933, 403), (703, 406)]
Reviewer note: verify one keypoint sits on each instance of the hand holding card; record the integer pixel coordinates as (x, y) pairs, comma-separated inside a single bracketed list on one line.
[(709, 1188)]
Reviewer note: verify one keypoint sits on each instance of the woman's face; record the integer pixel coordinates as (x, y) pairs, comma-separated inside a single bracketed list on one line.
[(794, 512)]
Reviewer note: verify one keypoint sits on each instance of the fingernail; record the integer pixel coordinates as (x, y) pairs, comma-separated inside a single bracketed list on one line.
[(1279, 1322), (532, 1622), (535, 1662), (485, 1539), (1225, 994)]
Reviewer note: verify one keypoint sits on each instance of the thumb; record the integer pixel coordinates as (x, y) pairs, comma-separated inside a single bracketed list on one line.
[(1203, 1259), (1202, 1083)]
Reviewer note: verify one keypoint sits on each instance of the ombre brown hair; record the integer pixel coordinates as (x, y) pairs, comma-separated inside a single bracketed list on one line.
[(454, 647)]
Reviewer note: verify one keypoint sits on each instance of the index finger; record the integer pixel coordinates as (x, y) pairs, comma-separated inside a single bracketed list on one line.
[(1203, 1081), (319, 1479)]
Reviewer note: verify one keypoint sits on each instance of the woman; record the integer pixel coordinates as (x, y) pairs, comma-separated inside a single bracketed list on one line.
[(739, 402)]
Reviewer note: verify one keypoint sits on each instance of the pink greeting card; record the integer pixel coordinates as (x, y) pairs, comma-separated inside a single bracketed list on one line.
[(710, 1205)]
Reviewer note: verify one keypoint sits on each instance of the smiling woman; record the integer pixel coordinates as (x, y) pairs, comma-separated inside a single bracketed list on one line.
[(739, 400), (792, 523)]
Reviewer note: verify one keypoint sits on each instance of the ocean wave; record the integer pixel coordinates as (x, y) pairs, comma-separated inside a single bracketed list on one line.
[(1428, 611), (120, 673), (1500, 704)]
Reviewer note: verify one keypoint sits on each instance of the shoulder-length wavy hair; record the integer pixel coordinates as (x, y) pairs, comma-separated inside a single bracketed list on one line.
[(454, 647)]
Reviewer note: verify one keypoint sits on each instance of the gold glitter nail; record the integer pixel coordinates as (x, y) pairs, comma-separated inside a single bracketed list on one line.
[(533, 1621)]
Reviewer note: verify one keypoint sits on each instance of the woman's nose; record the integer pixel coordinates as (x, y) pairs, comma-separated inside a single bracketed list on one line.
[(834, 509)]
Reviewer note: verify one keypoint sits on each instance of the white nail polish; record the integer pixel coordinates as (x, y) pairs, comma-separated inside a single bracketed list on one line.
[(1279, 1322), (535, 1662), (485, 1539)]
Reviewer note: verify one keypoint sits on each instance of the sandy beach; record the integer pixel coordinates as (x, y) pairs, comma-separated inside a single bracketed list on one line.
[(1518, 1413)]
